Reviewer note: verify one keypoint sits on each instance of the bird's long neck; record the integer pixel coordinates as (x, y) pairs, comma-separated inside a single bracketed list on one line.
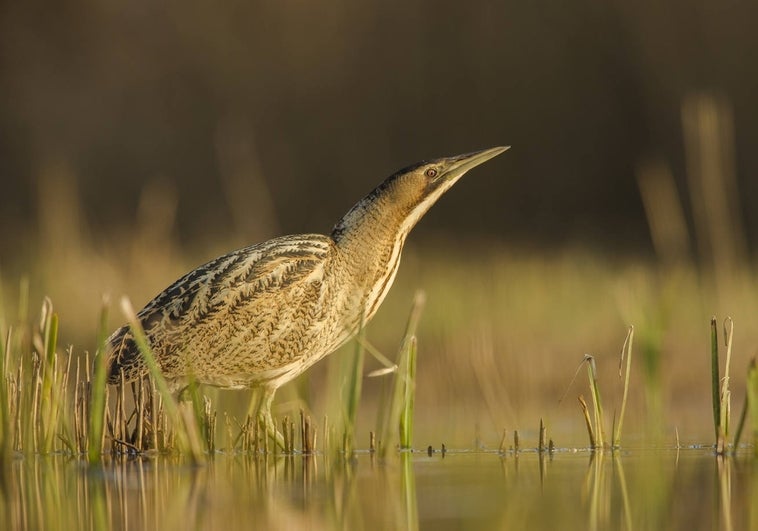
[(370, 238)]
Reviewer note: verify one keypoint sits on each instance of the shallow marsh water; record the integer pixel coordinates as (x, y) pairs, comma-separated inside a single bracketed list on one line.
[(568, 489)]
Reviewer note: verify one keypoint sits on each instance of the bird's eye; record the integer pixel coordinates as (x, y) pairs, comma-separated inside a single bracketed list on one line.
[(431, 173)]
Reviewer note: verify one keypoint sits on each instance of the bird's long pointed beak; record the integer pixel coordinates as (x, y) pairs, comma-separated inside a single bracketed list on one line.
[(460, 164)]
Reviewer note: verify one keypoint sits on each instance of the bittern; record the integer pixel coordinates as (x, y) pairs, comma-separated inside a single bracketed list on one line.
[(260, 316)]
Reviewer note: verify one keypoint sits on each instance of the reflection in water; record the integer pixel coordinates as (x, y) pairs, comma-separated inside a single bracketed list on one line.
[(598, 491), (724, 479), (603, 495), (602, 490), (410, 505)]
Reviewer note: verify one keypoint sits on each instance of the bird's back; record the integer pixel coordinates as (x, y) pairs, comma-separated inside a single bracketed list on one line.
[(254, 316)]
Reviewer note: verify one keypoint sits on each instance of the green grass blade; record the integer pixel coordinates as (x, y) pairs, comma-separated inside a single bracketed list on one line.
[(169, 402), (97, 404), (626, 350), (741, 423), (354, 386), (23, 299), (388, 422), (725, 392), (198, 430), (588, 421), (409, 390), (597, 404), (5, 409), (715, 378), (752, 400), (48, 401), (51, 338), (5, 397)]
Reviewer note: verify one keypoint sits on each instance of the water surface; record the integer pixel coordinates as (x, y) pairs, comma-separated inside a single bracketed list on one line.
[(568, 489)]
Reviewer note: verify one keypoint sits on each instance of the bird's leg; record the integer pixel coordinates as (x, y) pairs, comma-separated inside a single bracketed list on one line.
[(265, 413), (260, 405)]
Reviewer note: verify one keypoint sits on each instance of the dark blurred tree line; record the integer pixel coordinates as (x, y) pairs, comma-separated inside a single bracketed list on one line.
[(275, 116)]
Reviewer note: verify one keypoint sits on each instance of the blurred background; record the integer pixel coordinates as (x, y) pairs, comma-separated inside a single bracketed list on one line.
[(138, 140)]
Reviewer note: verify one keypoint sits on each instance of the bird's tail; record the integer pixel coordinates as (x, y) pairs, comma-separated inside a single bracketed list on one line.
[(124, 357)]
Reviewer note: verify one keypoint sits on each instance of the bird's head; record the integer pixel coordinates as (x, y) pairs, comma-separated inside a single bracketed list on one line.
[(407, 195), (417, 188)]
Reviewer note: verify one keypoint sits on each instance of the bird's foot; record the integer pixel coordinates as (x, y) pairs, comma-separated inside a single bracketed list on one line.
[(260, 406)]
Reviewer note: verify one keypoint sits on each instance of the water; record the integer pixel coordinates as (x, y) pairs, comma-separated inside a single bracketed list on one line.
[(636, 489)]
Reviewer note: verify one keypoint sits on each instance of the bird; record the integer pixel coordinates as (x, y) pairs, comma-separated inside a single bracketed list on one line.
[(259, 316)]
